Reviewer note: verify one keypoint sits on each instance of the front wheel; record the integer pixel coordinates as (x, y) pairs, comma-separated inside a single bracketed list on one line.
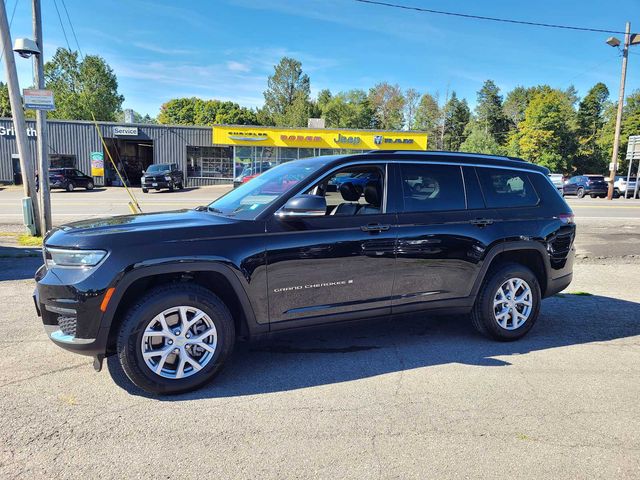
[(508, 303), (175, 339), (90, 186), (580, 193), (70, 187)]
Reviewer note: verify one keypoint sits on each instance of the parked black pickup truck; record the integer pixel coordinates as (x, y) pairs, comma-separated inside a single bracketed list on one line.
[(169, 293), (162, 175)]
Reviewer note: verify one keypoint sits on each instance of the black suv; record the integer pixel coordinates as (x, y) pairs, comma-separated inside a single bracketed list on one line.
[(169, 293), (69, 179), (162, 175)]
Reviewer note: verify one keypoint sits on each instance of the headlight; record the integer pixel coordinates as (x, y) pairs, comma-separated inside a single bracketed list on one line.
[(167, 178), (73, 258)]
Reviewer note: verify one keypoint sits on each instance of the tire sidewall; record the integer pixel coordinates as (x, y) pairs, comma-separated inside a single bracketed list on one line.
[(490, 290), (580, 193), (70, 187), (132, 329)]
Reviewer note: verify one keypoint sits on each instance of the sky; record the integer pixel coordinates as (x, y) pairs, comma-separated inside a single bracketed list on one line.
[(225, 49)]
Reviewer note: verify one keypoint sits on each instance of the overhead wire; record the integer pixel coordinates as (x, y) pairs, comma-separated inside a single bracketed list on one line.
[(15, 4), (73, 30), (491, 19), (64, 32)]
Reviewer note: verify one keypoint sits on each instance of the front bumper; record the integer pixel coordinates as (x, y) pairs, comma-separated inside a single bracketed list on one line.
[(158, 184), (71, 315)]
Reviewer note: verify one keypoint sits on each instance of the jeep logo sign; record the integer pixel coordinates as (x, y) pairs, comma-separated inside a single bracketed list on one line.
[(342, 139)]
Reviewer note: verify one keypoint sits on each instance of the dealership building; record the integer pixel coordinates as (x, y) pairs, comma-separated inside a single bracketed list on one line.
[(207, 155)]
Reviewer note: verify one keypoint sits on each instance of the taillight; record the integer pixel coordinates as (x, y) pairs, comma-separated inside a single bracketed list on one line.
[(567, 218)]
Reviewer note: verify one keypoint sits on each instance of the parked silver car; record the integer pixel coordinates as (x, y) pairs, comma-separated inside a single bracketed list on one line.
[(624, 188)]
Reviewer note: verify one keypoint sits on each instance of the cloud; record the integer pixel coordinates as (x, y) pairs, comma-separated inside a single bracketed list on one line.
[(238, 66), (151, 47)]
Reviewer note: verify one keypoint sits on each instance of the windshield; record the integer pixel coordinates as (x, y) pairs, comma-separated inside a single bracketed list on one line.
[(248, 200), (162, 167)]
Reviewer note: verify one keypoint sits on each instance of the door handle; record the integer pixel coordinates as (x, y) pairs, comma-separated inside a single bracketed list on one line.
[(374, 227), (481, 222)]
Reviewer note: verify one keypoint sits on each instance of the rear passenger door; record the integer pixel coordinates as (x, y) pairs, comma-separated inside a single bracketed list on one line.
[(443, 233)]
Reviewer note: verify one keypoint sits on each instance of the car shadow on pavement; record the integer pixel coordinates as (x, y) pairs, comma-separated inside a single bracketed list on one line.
[(351, 352), (19, 263)]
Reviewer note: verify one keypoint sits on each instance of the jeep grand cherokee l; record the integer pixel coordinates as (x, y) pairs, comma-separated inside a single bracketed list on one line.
[(169, 293)]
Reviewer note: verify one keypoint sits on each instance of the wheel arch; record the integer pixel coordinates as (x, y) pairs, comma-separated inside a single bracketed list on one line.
[(217, 278), (528, 253)]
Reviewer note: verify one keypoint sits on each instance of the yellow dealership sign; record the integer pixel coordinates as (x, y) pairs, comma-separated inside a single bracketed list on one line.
[(318, 138)]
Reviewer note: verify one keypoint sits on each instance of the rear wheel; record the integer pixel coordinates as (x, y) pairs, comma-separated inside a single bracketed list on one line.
[(89, 186), (175, 339), (145, 190), (70, 187), (180, 186), (602, 196), (580, 193), (508, 304)]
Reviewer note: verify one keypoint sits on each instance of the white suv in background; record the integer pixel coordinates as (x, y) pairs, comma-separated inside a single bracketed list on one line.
[(557, 179), (624, 188)]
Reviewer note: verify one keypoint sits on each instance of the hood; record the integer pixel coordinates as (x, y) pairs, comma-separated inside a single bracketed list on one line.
[(139, 229)]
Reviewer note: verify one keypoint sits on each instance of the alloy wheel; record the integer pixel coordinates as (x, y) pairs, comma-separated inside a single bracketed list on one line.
[(512, 304), (179, 342)]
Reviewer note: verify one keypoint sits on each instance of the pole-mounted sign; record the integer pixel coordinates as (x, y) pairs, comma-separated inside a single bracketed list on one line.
[(38, 99)]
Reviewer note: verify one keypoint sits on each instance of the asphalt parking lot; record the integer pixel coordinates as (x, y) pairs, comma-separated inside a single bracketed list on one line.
[(409, 398)]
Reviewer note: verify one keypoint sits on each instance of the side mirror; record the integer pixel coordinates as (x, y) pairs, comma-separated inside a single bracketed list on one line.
[(303, 206)]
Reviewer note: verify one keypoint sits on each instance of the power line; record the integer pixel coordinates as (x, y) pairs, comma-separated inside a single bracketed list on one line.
[(73, 30), (55, 3), (492, 19), (15, 4)]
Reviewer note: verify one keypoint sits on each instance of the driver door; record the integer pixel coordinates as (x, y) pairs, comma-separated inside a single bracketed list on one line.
[(337, 266)]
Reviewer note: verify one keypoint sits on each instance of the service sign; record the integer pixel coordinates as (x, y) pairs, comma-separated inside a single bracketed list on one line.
[(126, 131), (38, 99), (319, 138)]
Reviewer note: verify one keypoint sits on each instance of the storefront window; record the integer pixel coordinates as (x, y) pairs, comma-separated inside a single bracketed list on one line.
[(210, 162), (306, 152), (286, 154)]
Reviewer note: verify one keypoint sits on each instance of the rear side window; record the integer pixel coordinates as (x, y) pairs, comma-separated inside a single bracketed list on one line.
[(432, 188), (506, 188)]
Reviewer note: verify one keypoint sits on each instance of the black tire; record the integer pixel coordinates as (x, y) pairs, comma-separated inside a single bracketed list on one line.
[(171, 187), (70, 186), (580, 193), (603, 196), (145, 190), (129, 342), (483, 316), (592, 195), (90, 186), (180, 186)]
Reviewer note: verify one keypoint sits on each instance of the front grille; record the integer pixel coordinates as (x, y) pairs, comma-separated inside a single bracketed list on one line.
[(67, 325)]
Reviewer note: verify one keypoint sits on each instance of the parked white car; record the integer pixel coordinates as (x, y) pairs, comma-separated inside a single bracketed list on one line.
[(557, 179), (624, 188)]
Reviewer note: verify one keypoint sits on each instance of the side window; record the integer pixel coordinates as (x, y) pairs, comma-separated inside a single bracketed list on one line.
[(357, 190), (506, 188), (432, 188)]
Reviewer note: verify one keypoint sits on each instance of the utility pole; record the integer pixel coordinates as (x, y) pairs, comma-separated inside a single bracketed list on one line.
[(616, 138), (26, 164), (41, 125)]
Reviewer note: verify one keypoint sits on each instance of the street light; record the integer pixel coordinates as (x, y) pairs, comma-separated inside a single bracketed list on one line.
[(615, 42)]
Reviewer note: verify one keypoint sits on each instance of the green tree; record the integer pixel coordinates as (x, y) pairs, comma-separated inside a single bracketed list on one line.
[(630, 126), (196, 111), (287, 95), (349, 110), (429, 119), (82, 88), (590, 122), (515, 105), (412, 100), (479, 140), (489, 112), (5, 104), (456, 116), (387, 103), (545, 135)]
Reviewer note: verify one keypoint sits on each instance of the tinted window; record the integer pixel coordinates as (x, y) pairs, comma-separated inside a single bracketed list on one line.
[(431, 188), (506, 188)]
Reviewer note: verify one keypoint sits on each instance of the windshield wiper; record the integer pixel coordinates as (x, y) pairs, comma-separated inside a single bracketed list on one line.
[(214, 210)]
